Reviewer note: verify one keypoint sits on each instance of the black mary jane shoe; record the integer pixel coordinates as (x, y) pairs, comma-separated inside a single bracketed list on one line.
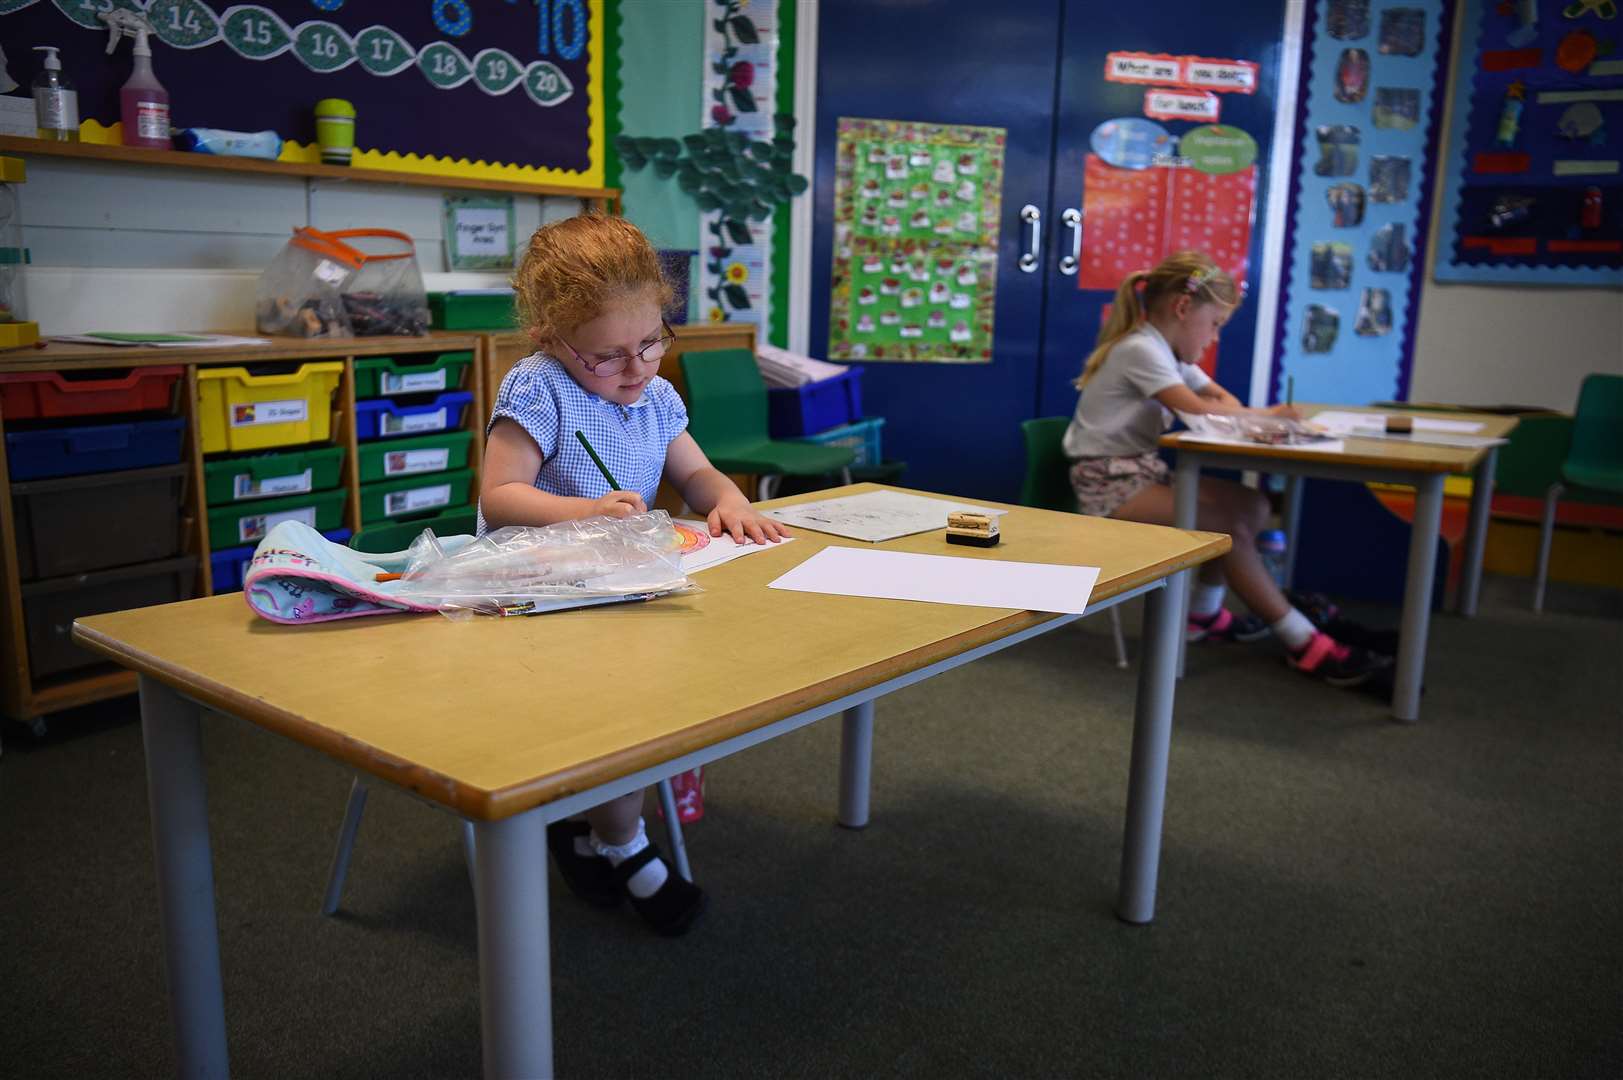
[(672, 909), (590, 877)]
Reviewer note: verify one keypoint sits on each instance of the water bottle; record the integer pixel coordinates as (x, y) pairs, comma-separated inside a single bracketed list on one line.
[(1271, 546)]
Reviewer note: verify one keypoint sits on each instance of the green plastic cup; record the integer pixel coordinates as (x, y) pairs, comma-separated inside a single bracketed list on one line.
[(335, 130)]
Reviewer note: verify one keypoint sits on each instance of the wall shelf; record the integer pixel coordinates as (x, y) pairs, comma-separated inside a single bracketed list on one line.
[(605, 198)]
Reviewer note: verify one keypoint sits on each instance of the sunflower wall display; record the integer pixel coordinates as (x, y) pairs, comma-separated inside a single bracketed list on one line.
[(915, 241)]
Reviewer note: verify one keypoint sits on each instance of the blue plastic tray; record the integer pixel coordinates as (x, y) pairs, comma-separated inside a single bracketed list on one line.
[(93, 448), (231, 564), (384, 418), (818, 406)]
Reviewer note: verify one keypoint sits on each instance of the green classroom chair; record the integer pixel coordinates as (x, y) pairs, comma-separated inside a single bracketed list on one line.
[(727, 416), (1047, 486), (1593, 468)]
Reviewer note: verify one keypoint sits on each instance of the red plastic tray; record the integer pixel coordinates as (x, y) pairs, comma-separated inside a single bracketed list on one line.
[(32, 395)]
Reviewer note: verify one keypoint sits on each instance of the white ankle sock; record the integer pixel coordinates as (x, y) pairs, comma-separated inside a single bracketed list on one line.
[(1294, 630), (645, 882), (1205, 601)]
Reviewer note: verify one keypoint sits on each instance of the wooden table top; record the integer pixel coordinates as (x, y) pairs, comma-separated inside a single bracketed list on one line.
[(62, 356), (491, 717), (1376, 453)]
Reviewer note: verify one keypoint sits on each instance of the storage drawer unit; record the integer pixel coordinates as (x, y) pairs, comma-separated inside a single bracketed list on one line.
[(397, 536), (384, 418), (82, 523), (414, 495), (377, 376), (242, 410), (409, 457), (93, 448), (50, 606)]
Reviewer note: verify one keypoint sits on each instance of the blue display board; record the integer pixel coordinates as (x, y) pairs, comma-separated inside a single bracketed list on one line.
[(1532, 188), (1361, 187), (459, 84)]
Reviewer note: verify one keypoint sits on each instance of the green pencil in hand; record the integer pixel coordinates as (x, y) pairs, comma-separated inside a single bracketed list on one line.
[(614, 485)]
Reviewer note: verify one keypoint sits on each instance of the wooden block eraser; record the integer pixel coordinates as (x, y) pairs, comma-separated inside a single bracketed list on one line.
[(1400, 424)]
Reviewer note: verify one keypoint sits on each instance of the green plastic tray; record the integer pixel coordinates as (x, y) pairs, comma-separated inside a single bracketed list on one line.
[(251, 477), (399, 535), (394, 458), (247, 523), (378, 376), (415, 496), (493, 312)]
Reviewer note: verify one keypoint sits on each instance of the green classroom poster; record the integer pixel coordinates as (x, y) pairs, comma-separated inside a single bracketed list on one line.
[(915, 241)]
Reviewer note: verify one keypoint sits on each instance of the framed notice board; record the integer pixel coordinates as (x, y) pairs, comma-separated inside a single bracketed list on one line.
[(458, 88)]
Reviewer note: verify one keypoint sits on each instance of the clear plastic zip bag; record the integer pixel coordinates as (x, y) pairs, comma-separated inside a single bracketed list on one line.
[(524, 570)]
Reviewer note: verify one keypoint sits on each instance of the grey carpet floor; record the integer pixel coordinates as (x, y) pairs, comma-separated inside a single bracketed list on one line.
[(1340, 895)]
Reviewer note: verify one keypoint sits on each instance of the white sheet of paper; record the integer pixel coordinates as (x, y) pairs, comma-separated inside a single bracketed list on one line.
[(874, 515), (943, 579), (1329, 446), (721, 549), (1351, 423)]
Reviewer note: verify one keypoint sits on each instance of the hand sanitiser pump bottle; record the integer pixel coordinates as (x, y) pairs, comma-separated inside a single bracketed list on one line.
[(56, 103), (143, 103)]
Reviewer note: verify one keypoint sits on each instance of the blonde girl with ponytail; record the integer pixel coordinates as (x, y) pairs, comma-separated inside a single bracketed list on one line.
[(1142, 371)]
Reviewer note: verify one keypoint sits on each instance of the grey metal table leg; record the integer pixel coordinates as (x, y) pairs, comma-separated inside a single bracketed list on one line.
[(346, 846), (856, 765), (1411, 670), (1185, 514), (673, 829), (178, 797), (1476, 534), (1291, 519), (515, 964), (1152, 740)]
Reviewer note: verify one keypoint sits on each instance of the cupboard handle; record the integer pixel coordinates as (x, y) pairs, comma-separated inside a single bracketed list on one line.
[(1030, 215), (1072, 217)]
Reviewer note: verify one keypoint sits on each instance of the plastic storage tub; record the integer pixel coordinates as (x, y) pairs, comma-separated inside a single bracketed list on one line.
[(228, 567), (81, 523), (397, 536), (414, 495), (49, 607), (472, 311), (376, 376), (247, 523), (266, 476), (31, 395), (818, 406), (383, 417), (239, 410), (410, 457), (69, 451), (862, 436)]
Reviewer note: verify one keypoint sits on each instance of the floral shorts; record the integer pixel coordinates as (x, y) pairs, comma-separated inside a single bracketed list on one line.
[(1103, 483)]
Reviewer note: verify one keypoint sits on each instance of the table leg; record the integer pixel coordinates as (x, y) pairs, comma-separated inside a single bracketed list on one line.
[(171, 732), (1476, 534), (1185, 514), (673, 829), (856, 765), (1291, 519), (515, 965), (1428, 515), (1152, 740)]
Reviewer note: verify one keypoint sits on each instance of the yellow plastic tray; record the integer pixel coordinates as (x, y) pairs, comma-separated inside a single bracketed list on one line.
[(241, 411)]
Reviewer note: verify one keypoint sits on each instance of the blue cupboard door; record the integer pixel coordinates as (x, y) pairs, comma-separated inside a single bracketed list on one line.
[(949, 62), (1092, 31)]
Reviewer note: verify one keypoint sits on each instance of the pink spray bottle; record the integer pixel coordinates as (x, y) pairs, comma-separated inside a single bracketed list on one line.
[(143, 103)]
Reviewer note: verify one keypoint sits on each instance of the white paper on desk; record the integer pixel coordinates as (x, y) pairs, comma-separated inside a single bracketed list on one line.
[(720, 549), (193, 341), (1326, 446), (1367, 424), (874, 515), (943, 579)]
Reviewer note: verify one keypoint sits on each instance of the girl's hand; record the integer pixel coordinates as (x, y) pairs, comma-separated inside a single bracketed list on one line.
[(618, 504), (1285, 412), (740, 520)]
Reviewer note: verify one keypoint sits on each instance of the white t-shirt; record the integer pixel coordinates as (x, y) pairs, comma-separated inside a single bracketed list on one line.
[(1117, 414)]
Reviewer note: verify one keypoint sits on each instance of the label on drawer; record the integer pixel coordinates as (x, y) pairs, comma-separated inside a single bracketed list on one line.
[(245, 486), (254, 526), (433, 420), (406, 462), (423, 498), (414, 380), (295, 410)]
